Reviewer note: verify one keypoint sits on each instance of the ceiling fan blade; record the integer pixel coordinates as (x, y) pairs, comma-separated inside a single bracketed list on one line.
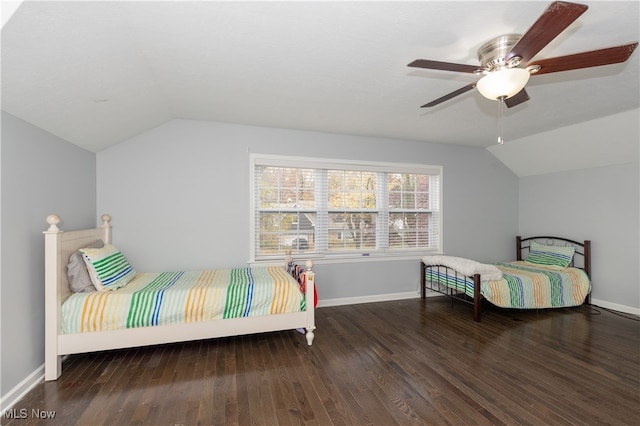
[(555, 19), (444, 66), (517, 99), (594, 58), (449, 96)]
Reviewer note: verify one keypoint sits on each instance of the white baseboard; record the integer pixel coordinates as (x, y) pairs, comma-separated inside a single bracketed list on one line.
[(21, 389), (374, 298), (616, 307), (413, 295)]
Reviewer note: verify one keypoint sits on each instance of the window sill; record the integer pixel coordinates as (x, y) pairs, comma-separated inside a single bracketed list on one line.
[(345, 258)]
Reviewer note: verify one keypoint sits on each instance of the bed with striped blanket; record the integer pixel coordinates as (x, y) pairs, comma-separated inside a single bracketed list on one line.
[(549, 277), (159, 308)]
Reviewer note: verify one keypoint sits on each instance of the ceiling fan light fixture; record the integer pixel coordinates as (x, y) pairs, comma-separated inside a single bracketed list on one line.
[(503, 84)]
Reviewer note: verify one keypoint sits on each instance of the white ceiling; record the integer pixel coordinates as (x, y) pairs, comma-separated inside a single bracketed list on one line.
[(97, 73)]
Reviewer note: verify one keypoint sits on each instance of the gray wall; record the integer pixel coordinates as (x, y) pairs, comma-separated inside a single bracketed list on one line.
[(40, 174), (599, 204), (179, 197)]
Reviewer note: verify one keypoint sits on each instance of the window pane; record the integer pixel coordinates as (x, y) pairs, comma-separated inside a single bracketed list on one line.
[(281, 187), (422, 200), (271, 225), (281, 231), (422, 192), (306, 188), (394, 185), (409, 200), (423, 235), (408, 191), (351, 189), (408, 182), (408, 230), (354, 231)]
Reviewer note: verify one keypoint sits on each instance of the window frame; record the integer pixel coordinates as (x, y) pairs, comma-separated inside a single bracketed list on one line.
[(321, 207)]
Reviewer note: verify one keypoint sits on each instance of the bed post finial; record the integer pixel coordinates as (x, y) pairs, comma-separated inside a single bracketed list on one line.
[(106, 228), (106, 218), (309, 265), (53, 220)]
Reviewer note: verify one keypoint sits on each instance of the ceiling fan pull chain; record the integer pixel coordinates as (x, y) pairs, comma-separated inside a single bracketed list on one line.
[(500, 111)]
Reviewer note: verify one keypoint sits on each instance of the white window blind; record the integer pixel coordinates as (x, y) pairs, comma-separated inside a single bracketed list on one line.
[(335, 207)]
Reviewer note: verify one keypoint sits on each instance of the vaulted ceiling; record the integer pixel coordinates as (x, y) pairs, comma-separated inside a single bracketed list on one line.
[(97, 73)]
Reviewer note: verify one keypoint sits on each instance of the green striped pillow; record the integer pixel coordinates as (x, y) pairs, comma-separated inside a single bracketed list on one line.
[(107, 267), (556, 257)]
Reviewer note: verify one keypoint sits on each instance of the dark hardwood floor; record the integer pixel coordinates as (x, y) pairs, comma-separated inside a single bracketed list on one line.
[(401, 362)]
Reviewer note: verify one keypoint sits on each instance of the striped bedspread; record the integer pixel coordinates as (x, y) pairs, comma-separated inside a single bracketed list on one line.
[(181, 297), (524, 287)]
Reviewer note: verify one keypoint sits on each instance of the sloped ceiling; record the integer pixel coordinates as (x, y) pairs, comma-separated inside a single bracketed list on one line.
[(604, 141), (97, 73)]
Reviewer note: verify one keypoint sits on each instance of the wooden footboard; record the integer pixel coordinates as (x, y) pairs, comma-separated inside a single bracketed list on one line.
[(59, 245)]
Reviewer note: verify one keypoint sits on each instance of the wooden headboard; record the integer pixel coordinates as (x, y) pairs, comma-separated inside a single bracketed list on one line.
[(58, 247)]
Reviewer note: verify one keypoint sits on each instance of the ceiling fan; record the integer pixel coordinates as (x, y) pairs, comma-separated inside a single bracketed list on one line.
[(506, 61)]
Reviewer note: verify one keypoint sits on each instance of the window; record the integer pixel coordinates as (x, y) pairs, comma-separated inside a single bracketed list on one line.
[(334, 207)]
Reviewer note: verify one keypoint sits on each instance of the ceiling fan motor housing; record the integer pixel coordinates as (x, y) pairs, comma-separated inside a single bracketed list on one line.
[(492, 54)]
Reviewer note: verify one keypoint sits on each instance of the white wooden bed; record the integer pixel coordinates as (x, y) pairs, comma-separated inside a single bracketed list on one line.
[(59, 245)]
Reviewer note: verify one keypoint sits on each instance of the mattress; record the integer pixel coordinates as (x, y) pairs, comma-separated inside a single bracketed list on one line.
[(164, 298)]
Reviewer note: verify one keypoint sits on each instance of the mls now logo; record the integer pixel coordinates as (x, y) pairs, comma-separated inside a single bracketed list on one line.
[(23, 413)]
